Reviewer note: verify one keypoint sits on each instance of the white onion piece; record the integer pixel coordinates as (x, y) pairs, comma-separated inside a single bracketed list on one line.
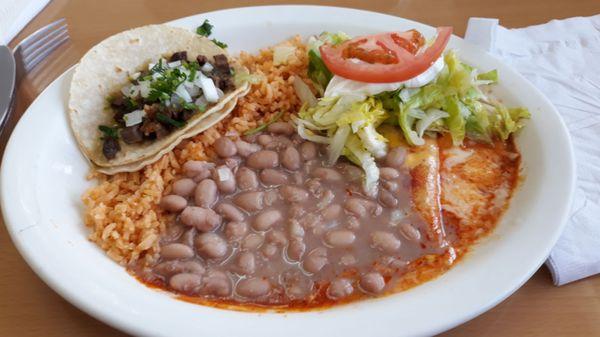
[(134, 117), (207, 67), (201, 101), (144, 88), (174, 64), (193, 90), (181, 92), (208, 88)]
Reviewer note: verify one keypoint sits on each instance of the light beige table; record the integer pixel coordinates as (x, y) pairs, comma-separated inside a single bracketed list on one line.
[(29, 308)]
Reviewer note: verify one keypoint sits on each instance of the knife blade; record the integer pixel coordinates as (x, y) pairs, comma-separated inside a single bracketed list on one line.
[(7, 83)]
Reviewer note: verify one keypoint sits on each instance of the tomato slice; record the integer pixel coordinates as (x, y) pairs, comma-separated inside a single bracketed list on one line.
[(386, 57)]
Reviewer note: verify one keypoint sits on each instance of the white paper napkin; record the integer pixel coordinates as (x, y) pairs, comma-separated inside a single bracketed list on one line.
[(15, 14), (562, 59)]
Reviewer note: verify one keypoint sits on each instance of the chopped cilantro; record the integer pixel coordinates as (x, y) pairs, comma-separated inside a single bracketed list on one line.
[(166, 119), (163, 87), (219, 43), (108, 132), (157, 68), (205, 29), (190, 106)]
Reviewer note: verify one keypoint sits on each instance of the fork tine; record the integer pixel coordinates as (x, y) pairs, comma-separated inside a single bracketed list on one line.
[(42, 45), (42, 55), (40, 32), (35, 45)]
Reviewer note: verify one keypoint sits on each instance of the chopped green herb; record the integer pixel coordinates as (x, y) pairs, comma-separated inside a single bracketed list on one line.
[(166, 119), (157, 68), (190, 106), (109, 132), (219, 43), (205, 29), (264, 126), (163, 87)]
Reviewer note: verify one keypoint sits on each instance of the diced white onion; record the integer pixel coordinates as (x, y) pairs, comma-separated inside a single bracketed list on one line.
[(201, 101), (174, 64), (193, 90), (181, 92), (220, 92), (207, 67), (144, 88), (282, 53), (134, 117), (208, 88)]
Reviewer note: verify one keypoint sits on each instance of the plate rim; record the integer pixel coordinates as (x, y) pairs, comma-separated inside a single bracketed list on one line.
[(123, 325)]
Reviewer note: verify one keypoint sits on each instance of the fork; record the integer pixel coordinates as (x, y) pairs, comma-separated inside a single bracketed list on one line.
[(30, 52)]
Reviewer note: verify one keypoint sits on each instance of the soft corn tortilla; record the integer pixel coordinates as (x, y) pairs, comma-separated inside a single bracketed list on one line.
[(200, 127), (106, 68)]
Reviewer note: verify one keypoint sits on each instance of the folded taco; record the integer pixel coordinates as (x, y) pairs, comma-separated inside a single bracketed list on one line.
[(137, 94)]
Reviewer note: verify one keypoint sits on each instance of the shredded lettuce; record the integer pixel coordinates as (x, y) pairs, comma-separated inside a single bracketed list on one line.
[(317, 71), (343, 121)]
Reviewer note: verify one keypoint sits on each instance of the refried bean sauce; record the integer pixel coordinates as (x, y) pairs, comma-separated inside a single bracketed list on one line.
[(269, 224)]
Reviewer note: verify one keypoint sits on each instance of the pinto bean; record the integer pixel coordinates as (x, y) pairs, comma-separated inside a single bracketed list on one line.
[(235, 230), (217, 283), (264, 139), (295, 250), (271, 177), (224, 178), (250, 201), (391, 186), (211, 245), (204, 219), (252, 241), (361, 207), (308, 150), (263, 159), (327, 174), (295, 230), (246, 263), (229, 212), (352, 172), (410, 232), (276, 237), (269, 250), (388, 173), (372, 283), (205, 194), (270, 197), (246, 179), (290, 159), (340, 288), (340, 238), (184, 187), (283, 128), (245, 149), (188, 237), (173, 203), (395, 157), (278, 143), (232, 162), (253, 287), (331, 212), (356, 206), (385, 242), (387, 199), (170, 268), (225, 147), (197, 169), (315, 260), (293, 193), (186, 282), (267, 219), (174, 251)]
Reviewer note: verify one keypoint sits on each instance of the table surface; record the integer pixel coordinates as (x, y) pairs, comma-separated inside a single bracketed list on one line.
[(29, 308)]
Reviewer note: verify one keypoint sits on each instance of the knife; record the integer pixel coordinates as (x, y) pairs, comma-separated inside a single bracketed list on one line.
[(7, 83)]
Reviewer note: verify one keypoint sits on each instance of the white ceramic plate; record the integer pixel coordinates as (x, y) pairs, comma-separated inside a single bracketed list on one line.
[(43, 177)]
